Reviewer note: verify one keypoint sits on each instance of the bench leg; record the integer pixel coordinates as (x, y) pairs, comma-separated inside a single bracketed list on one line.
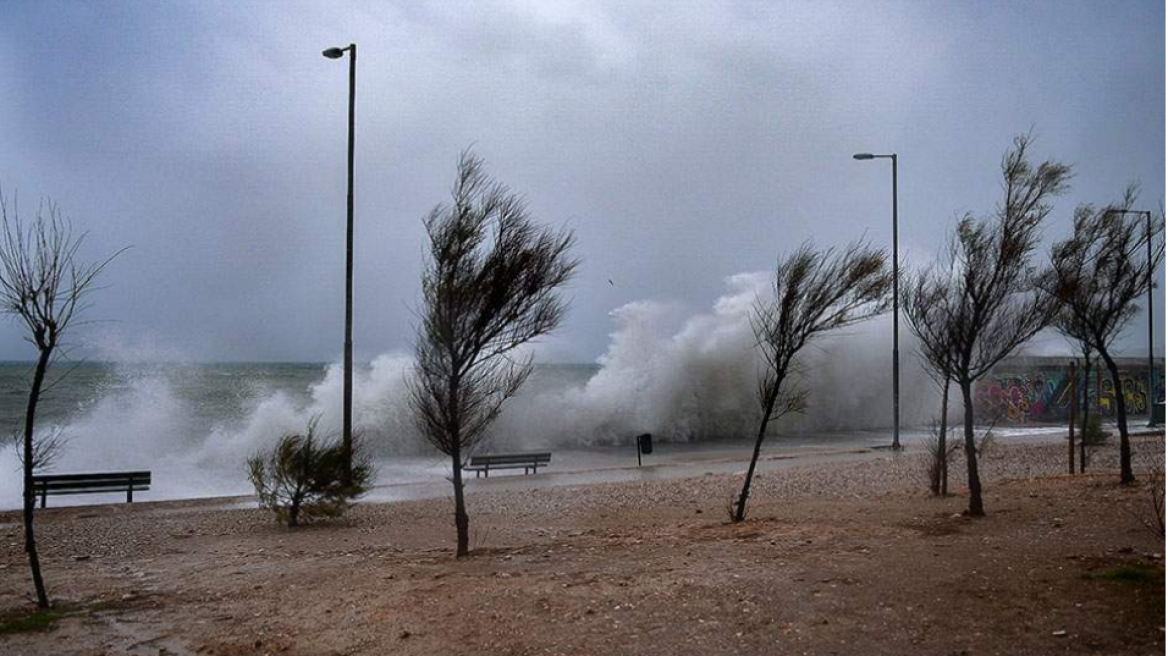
[(44, 497), (130, 495)]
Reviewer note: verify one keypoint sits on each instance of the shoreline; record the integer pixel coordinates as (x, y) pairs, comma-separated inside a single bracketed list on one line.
[(426, 476)]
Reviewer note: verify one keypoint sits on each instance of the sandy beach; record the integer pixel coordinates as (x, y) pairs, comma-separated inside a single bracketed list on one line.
[(836, 558)]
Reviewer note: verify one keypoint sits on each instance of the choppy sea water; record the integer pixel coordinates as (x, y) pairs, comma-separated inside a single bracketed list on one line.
[(194, 425), (195, 398), (687, 379)]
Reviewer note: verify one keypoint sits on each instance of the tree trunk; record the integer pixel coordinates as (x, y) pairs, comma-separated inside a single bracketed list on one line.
[(1086, 413), (294, 513), (943, 440), (34, 395), (1126, 477), (976, 509), (461, 519), (740, 510), (1072, 410)]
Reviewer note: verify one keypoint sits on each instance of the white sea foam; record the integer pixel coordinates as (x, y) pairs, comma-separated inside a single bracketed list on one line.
[(682, 378)]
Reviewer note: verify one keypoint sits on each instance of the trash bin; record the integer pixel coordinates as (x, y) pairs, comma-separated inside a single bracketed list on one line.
[(645, 443)]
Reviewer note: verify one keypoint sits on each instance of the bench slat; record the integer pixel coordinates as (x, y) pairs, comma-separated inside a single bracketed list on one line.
[(507, 458), (83, 480), (108, 490), (94, 477), (96, 484)]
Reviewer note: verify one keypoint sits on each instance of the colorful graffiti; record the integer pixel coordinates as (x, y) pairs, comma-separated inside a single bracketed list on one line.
[(1021, 398), (1135, 396), (1042, 395)]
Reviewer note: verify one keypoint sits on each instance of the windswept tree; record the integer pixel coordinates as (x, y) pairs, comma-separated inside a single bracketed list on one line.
[(929, 322), (983, 294), (1099, 275), (491, 285), (815, 292), (44, 286)]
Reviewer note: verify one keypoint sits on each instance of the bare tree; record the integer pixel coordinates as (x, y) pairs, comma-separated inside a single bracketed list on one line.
[(491, 285), (44, 286), (1099, 275), (984, 291), (815, 291)]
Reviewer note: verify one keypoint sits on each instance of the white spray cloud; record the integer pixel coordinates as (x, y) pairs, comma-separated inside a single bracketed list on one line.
[(682, 378), (700, 382)]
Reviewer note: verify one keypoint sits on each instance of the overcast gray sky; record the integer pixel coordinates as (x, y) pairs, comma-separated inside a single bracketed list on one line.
[(682, 146)]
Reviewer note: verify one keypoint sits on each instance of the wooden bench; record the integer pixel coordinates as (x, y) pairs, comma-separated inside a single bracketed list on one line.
[(52, 484), (530, 462)]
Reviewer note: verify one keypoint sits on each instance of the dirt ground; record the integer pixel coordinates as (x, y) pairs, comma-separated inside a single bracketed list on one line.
[(1061, 565)]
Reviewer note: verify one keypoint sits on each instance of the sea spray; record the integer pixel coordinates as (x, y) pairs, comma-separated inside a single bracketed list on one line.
[(683, 378), (699, 382), (692, 383), (196, 424)]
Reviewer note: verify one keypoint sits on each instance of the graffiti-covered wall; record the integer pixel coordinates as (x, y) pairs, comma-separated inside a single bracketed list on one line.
[(1034, 389)]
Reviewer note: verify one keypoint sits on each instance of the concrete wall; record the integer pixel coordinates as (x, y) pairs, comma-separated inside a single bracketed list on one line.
[(1037, 389)]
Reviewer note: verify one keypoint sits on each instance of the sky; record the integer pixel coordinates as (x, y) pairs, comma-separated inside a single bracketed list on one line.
[(683, 146)]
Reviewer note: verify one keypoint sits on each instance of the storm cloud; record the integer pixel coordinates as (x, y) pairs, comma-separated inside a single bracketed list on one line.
[(682, 146)]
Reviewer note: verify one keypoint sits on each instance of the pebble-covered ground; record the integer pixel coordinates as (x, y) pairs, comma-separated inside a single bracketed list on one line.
[(834, 557)]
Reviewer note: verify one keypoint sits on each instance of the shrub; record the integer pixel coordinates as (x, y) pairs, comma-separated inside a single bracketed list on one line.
[(302, 479), (1152, 514), (1093, 433), (938, 456)]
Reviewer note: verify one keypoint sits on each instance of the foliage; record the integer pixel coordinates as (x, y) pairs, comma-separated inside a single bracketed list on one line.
[(815, 292), (981, 301), (938, 455), (39, 620), (1136, 573), (1098, 275), (1093, 433), (491, 285), (303, 478)]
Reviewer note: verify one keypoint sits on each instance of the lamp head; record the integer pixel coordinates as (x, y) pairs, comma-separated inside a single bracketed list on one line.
[(863, 156), (334, 53)]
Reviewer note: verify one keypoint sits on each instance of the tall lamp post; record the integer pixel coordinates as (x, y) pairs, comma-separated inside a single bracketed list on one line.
[(1151, 339), (895, 302), (347, 425)]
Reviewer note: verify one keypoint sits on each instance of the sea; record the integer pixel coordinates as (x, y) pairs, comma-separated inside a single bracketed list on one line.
[(689, 379), (195, 424), (208, 395)]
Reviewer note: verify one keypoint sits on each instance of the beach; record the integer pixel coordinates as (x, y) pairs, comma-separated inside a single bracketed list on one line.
[(837, 557)]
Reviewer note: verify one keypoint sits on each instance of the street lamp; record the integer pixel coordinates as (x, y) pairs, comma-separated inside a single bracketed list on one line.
[(347, 425), (895, 302), (1151, 339)]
